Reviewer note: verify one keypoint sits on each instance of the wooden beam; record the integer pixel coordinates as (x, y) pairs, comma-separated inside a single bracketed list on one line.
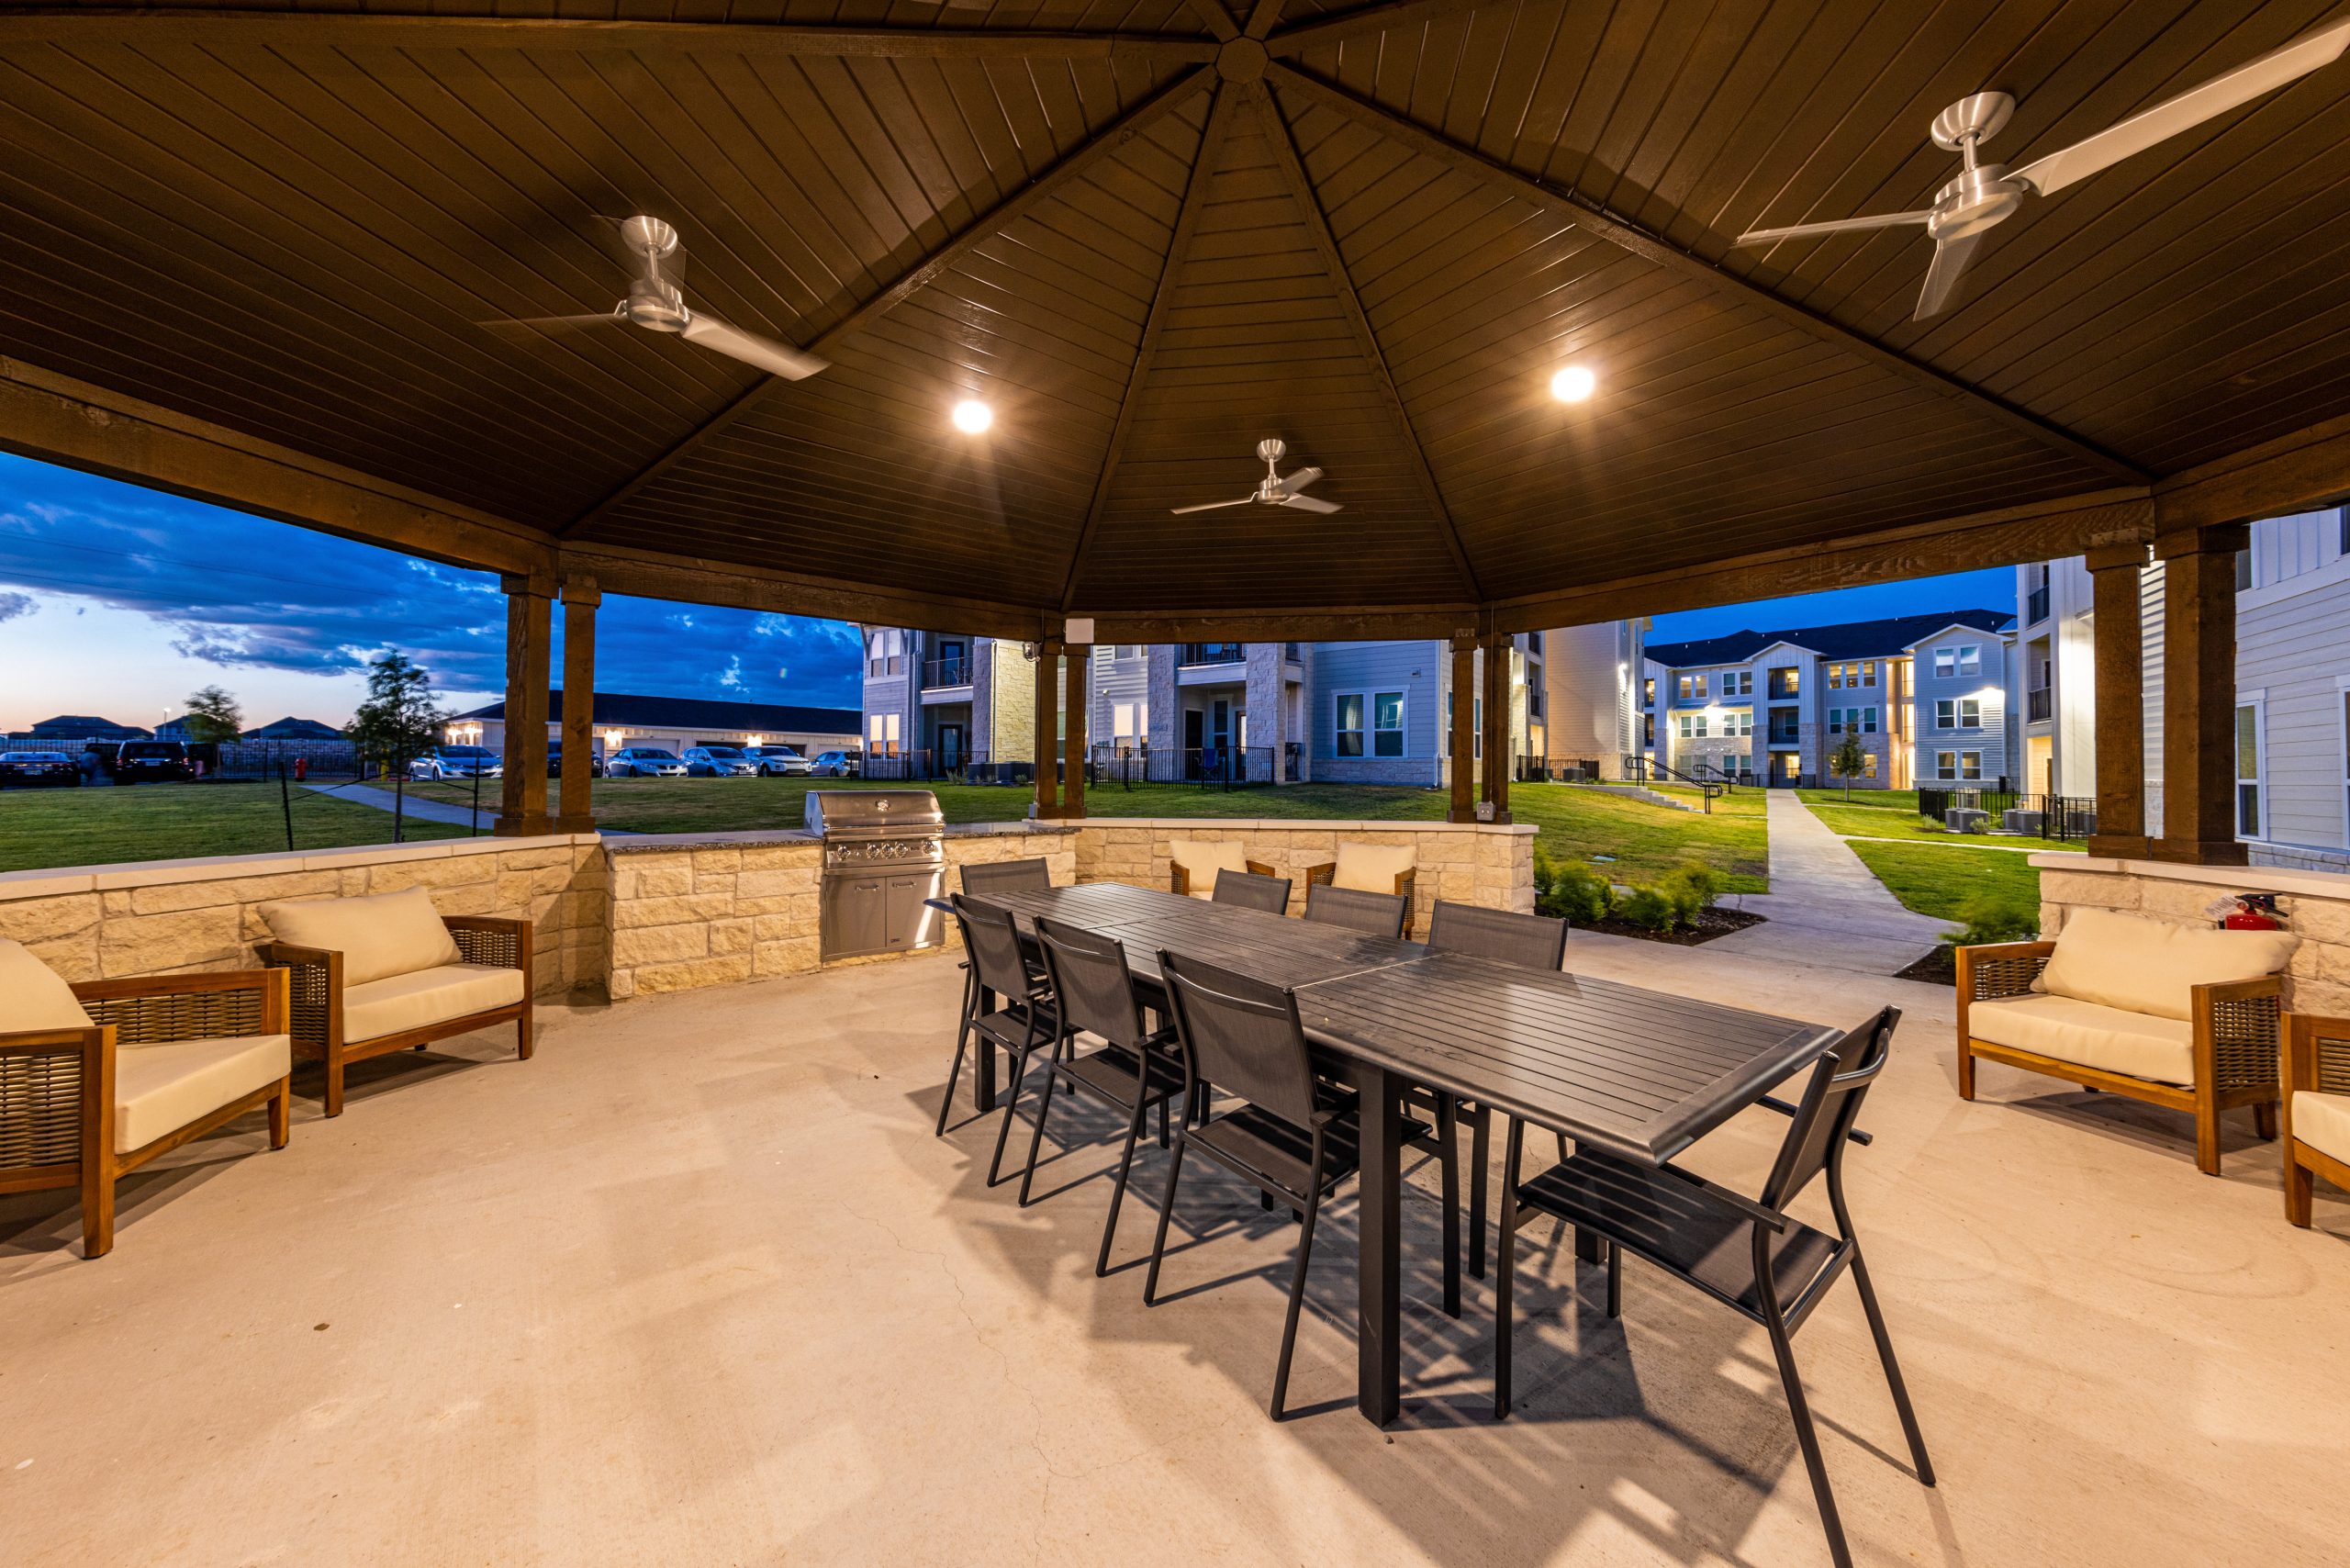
[(581, 597), (1395, 14), (1048, 660), (1493, 771), (1624, 236), (1187, 223), (2294, 473), (693, 580), (1464, 805), (1217, 20), (2199, 695), (59, 420), (1292, 167), (2118, 701), (1005, 213), (1263, 19), (2040, 531), (1075, 702), (67, 26), (522, 809)]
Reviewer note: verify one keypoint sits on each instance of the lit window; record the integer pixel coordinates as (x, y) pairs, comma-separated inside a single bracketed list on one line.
[(1959, 658), (1387, 724), (1958, 713), (2248, 739)]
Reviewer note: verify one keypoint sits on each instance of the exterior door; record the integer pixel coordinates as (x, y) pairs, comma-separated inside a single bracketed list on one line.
[(1195, 739), (950, 745)]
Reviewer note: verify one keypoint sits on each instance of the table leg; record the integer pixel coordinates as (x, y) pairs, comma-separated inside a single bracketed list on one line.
[(1377, 1323)]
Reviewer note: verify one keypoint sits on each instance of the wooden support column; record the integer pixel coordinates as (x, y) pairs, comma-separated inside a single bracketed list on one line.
[(1048, 667), (1075, 706), (580, 598), (2114, 573), (1464, 728), (1497, 769), (522, 811), (2200, 694)]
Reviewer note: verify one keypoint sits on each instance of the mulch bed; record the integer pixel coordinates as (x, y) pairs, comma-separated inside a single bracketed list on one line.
[(1937, 968), (1711, 922)]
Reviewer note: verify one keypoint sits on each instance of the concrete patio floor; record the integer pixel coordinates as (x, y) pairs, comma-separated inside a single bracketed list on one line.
[(697, 1285)]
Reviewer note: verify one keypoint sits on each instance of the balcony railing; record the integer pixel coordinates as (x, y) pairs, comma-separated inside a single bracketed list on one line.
[(1213, 653), (946, 672), (2039, 705), (2036, 605)]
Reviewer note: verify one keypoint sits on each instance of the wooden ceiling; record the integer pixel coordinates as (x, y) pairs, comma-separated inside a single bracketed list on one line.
[(1147, 241)]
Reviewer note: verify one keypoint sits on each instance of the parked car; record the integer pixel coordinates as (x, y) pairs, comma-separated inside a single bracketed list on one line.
[(555, 763), (778, 761), (718, 762), (34, 769), (457, 762), (837, 763), (142, 762), (643, 762)]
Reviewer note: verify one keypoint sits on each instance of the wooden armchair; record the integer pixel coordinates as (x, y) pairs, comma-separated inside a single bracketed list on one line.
[(1373, 868), (2316, 1072), (337, 1023), (2224, 1056), (163, 1060), (1189, 858)]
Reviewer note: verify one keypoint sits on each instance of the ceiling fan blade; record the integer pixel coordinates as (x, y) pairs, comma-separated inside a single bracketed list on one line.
[(775, 358), (1941, 279), (547, 324), (2190, 108), (1211, 506), (1299, 480), (1840, 226), (1307, 503)]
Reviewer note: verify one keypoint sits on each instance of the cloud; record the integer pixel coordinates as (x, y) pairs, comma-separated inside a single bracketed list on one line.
[(244, 592)]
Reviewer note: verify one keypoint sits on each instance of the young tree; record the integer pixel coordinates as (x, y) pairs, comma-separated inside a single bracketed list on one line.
[(1848, 761), (401, 715), (213, 715)]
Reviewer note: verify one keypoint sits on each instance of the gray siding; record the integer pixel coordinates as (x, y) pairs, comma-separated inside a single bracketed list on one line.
[(1989, 687), (1418, 669)]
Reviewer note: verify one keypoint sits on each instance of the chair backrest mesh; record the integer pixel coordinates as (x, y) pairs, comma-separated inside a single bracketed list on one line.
[(1532, 941), (1089, 978), (1242, 1035), (1357, 909), (1830, 1105), (992, 938), (1007, 877), (1251, 890)]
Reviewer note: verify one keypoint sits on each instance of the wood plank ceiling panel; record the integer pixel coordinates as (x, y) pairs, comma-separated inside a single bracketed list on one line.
[(858, 473), (1256, 344)]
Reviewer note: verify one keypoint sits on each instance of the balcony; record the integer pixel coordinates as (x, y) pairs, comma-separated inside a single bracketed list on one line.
[(2039, 705), (1192, 655), (2036, 605), (946, 672)]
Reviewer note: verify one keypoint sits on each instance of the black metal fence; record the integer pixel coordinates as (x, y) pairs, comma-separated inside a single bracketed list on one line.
[(1223, 768), (2062, 819), (1556, 770)]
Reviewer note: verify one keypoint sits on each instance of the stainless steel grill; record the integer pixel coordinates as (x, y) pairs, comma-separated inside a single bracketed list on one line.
[(884, 855)]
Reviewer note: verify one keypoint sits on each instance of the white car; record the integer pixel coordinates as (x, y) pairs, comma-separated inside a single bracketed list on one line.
[(643, 762), (718, 762), (457, 762), (778, 760), (837, 763)]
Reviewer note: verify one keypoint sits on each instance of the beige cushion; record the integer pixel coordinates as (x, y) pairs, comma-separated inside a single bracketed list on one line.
[(2323, 1122), (1372, 867), (1202, 861), (33, 996), (157, 1089), (2112, 1039), (2151, 966), (378, 936), (401, 1002)]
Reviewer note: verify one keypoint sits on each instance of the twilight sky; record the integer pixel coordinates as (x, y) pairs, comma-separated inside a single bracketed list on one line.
[(118, 601)]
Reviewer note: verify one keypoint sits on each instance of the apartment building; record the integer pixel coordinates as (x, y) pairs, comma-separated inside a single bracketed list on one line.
[(1926, 696), (1262, 712), (2292, 685)]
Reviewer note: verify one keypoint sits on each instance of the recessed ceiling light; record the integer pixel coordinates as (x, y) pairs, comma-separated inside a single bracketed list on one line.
[(971, 416), (1574, 384)]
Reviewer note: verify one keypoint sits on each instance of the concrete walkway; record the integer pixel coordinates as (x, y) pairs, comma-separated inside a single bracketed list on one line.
[(414, 806), (1825, 907)]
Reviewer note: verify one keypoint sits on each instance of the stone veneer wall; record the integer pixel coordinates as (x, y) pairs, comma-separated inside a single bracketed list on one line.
[(169, 916), (2315, 907)]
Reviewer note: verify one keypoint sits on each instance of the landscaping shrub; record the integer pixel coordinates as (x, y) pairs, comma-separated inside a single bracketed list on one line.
[(1691, 889), (1649, 909), (1995, 917), (1576, 893)]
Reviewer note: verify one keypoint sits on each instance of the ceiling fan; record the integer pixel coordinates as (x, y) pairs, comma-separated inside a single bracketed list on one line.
[(656, 303), (1983, 193), (1274, 491)]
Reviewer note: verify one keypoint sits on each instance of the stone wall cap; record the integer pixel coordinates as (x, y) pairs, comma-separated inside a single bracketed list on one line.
[(44, 884), (670, 843), (2242, 879), (270, 863), (1300, 824)]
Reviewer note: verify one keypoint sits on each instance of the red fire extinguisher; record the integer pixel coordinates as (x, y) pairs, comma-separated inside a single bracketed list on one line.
[(2253, 912), (301, 768)]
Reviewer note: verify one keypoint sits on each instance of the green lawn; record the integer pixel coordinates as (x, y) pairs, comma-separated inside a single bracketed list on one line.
[(1572, 822), (1866, 821), (1904, 801), (40, 828), (1938, 880)]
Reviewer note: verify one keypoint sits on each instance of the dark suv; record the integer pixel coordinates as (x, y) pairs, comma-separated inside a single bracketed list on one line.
[(141, 762)]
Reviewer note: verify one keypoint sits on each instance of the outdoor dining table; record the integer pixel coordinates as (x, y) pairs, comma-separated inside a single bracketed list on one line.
[(1640, 1075)]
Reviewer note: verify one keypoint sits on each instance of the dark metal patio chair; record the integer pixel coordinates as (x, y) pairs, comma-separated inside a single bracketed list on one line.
[(1249, 891), (1530, 941), (1135, 1069), (1024, 1024), (1007, 877), (1749, 1254), (1292, 1135), (1373, 915)]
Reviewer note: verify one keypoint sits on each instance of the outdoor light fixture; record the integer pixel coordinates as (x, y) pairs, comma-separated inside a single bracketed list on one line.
[(971, 416), (1574, 384)]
